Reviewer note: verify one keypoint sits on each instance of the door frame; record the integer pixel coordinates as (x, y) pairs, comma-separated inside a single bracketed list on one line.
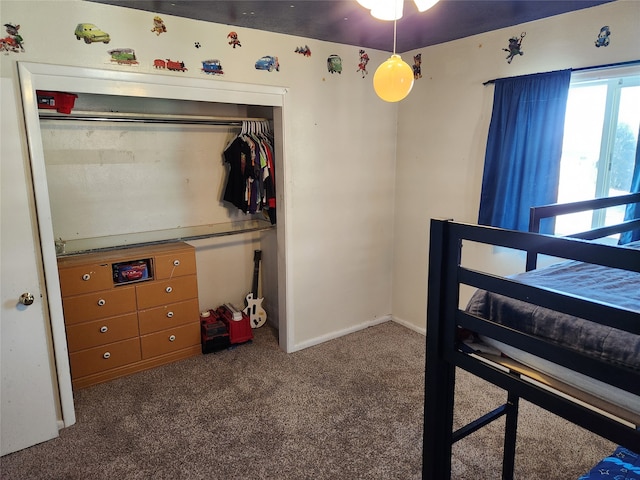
[(36, 76)]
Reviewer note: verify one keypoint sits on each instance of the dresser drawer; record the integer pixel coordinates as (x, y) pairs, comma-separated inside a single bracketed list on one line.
[(168, 316), (170, 340), (91, 334), (92, 306), (85, 279), (177, 264), (167, 291), (99, 359)]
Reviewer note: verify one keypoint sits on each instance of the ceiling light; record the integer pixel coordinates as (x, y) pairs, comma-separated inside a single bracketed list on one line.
[(424, 5), (388, 9), (392, 9)]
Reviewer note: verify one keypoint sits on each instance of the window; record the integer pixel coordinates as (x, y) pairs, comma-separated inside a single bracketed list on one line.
[(598, 153)]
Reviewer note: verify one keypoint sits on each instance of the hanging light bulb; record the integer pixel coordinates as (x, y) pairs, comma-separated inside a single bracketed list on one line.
[(393, 79)]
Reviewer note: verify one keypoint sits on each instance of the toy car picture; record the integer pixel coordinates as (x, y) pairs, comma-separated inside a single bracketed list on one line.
[(268, 63), (135, 271), (334, 64), (212, 67), (91, 33)]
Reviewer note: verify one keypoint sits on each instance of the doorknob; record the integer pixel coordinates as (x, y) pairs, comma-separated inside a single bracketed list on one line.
[(26, 298)]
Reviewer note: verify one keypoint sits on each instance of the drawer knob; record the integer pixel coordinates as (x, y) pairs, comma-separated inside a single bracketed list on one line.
[(86, 277), (176, 263), (169, 314), (106, 355), (172, 338), (168, 289), (101, 302), (104, 329)]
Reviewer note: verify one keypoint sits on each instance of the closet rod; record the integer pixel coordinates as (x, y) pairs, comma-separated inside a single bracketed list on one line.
[(581, 69), (136, 118)]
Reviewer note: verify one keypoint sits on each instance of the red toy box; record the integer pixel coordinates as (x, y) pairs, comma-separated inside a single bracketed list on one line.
[(59, 101), (239, 330)]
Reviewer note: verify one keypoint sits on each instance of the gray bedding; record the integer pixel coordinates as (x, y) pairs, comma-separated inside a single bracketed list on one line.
[(616, 287)]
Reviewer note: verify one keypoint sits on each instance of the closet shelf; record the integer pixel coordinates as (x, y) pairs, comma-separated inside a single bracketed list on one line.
[(147, 118), (95, 244)]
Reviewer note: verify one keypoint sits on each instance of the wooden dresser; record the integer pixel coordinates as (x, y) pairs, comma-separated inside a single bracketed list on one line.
[(129, 310)]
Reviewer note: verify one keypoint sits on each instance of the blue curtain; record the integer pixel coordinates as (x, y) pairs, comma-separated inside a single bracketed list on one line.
[(633, 210), (522, 160)]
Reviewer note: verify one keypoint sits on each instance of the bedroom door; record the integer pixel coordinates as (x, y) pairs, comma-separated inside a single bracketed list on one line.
[(27, 387)]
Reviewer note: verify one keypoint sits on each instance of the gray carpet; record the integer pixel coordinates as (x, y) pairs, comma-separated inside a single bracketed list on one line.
[(350, 408)]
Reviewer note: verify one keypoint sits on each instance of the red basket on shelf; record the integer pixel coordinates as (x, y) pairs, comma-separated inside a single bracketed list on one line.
[(60, 101)]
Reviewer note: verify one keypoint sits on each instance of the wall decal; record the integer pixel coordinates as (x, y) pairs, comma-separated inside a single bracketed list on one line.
[(334, 64), (233, 36), (212, 67), (123, 56), (306, 51), (91, 34), (603, 37), (417, 66), (158, 26), (269, 63), (197, 45), (362, 65), (14, 41), (515, 47), (170, 65)]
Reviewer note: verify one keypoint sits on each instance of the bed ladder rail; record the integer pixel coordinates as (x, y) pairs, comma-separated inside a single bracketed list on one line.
[(510, 409), (438, 434)]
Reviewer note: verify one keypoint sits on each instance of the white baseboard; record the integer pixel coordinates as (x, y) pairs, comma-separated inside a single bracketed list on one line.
[(410, 326), (340, 333)]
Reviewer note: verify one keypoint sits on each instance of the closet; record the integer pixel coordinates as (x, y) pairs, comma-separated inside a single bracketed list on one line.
[(132, 171), (139, 162)]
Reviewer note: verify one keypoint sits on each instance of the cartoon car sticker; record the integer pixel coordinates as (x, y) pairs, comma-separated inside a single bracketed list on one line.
[(417, 66), (123, 56), (212, 67), (233, 36), (515, 47), (334, 64), (362, 65), (14, 41), (603, 37), (268, 62), (306, 51), (158, 26), (91, 34)]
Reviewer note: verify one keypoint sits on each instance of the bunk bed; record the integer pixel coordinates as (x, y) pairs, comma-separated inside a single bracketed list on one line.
[(537, 360)]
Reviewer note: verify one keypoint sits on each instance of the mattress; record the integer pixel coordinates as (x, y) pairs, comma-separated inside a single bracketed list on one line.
[(620, 288)]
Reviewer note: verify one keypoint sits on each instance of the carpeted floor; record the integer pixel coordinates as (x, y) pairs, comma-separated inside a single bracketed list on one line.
[(349, 409)]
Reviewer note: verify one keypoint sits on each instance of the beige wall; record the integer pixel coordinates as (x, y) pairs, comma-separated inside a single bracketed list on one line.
[(340, 147), (358, 218), (442, 131)]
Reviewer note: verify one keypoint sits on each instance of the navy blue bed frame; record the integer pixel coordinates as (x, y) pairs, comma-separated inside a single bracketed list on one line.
[(446, 275)]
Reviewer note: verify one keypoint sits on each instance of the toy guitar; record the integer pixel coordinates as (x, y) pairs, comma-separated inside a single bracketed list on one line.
[(257, 315)]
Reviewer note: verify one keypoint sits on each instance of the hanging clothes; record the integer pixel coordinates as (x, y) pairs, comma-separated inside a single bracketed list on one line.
[(251, 180)]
